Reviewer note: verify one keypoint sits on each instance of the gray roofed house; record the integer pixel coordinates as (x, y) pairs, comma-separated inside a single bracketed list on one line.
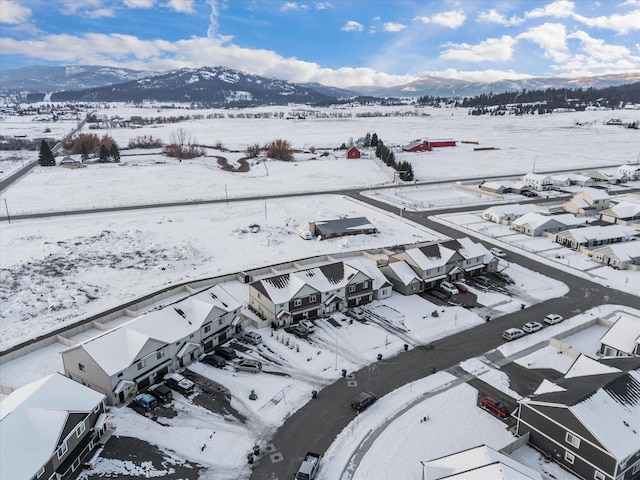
[(588, 421), (618, 255), (623, 338), (341, 227)]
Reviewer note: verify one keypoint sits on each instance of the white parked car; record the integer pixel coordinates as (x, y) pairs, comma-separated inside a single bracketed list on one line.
[(553, 318), (357, 313), (307, 325), (252, 337), (496, 252), (512, 333), (531, 327), (450, 288)]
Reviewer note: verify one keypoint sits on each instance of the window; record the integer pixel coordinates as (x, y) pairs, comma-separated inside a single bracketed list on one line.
[(80, 429), (636, 468), (62, 449), (352, 288), (81, 367), (297, 302), (160, 354), (569, 457), (598, 475), (40, 472), (207, 328), (573, 440), (312, 298), (142, 364), (120, 374), (365, 285)]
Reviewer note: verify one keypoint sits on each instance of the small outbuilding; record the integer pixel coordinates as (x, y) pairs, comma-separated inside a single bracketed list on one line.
[(353, 153), (341, 227)]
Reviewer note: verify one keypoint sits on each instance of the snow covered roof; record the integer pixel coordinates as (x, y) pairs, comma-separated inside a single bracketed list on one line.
[(537, 177), (598, 233), (403, 272), (624, 251), (593, 193), (548, 386), (468, 249), (343, 225), (536, 220), (585, 366), (371, 269), (429, 257), (32, 419), (116, 349), (480, 462), (629, 168), (624, 335), (623, 210), (514, 209), (282, 288)]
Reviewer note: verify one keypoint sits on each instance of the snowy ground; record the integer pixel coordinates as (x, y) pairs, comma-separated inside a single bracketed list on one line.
[(59, 270)]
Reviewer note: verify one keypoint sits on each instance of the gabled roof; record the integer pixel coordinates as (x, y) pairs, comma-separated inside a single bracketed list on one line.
[(371, 269), (605, 401), (537, 177), (32, 420), (623, 210), (624, 335), (480, 462), (624, 251), (598, 233), (536, 220), (514, 209), (402, 272), (593, 194)]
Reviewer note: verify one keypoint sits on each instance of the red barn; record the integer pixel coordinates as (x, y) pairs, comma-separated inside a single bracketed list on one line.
[(417, 146), (353, 152), (442, 143)]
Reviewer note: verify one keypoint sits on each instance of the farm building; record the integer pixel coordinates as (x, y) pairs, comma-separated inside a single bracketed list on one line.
[(341, 227), (353, 153), (417, 146), (441, 143)]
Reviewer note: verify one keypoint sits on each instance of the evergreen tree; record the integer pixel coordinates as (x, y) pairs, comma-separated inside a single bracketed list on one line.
[(104, 154), (374, 140), (367, 140), (114, 153), (84, 153), (46, 158)]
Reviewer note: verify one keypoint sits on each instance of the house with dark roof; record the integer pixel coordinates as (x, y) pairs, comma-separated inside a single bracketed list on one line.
[(131, 357), (588, 421), (48, 428), (343, 226), (305, 294)]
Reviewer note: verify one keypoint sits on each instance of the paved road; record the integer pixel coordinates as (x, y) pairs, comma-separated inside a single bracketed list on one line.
[(322, 419)]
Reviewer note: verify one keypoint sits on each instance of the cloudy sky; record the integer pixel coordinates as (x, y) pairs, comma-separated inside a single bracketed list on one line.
[(335, 42)]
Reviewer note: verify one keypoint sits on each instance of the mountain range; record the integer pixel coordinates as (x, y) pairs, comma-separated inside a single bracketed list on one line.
[(221, 86)]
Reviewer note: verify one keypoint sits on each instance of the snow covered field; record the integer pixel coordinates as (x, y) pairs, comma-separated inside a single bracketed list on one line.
[(61, 269)]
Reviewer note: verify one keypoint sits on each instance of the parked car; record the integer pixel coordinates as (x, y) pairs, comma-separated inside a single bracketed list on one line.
[(462, 288), (493, 405), (531, 327), (504, 277), (146, 401), (252, 337), (496, 252), (482, 280), (363, 400), (179, 383), (227, 353), (553, 318), (298, 331), (449, 287), (357, 313), (253, 366), (529, 193), (214, 360), (162, 393), (512, 333), (307, 325)]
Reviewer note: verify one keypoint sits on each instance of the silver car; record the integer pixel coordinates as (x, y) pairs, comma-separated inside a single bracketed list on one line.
[(253, 366), (252, 337)]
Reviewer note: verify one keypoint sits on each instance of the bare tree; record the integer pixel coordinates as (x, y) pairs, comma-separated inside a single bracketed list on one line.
[(280, 150)]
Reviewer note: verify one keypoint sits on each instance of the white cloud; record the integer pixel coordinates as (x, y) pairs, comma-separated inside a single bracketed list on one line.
[(492, 49), (493, 16), (622, 24), (393, 27), (323, 5), (477, 75), (551, 37), (101, 13), (352, 26), (183, 6), (293, 6), (450, 19), (557, 9), (138, 3), (13, 13)]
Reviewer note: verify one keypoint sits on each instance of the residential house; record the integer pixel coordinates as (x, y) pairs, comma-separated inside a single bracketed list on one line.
[(535, 224), (623, 338), (621, 213), (587, 201), (562, 180), (481, 462), (588, 421), (581, 180), (504, 186), (599, 178), (137, 354), (402, 277), (594, 236), (353, 153), (48, 428), (311, 293), (538, 181), (632, 172), (507, 213), (618, 255), (382, 288), (343, 226)]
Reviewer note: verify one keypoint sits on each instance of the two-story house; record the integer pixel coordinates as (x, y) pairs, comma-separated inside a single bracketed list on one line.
[(538, 181), (588, 201), (137, 354), (305, 294), (48, 427), (588, 421)]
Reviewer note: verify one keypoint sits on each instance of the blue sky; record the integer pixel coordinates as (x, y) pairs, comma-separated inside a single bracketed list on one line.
[(337, 42)]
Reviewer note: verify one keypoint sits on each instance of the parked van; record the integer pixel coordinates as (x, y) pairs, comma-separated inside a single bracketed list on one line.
[(512, 333)]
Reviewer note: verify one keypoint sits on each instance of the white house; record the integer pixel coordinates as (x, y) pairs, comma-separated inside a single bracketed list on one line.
[(622, 256), (593, 236), (137, 354), (538, 181), (535, 224), (589, 200), (632, 172), (621, 213), (622, 339), (507, 213)]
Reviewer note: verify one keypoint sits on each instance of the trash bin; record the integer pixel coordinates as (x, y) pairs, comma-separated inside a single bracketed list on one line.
[(314, 393), (406, 347), (379, 356), (344, 372)]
